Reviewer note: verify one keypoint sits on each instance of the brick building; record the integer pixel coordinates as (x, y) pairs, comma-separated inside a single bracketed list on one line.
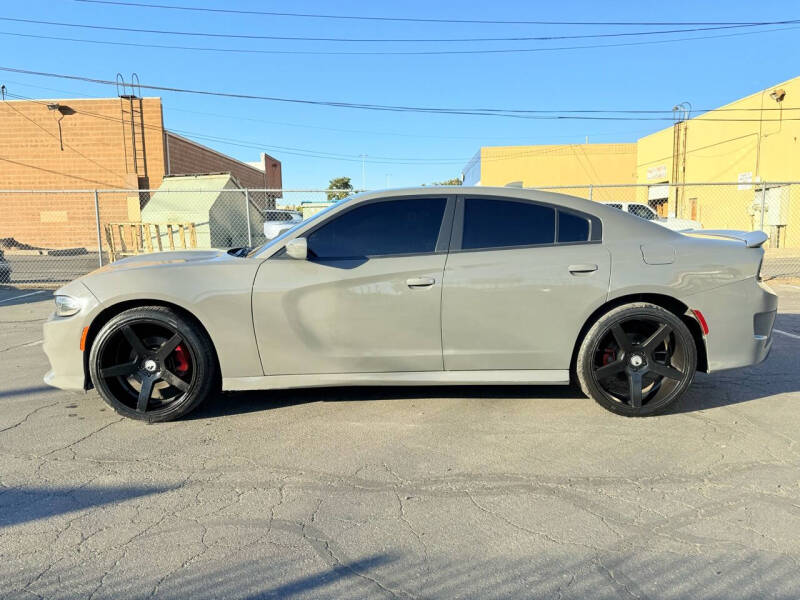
[(87, 144)]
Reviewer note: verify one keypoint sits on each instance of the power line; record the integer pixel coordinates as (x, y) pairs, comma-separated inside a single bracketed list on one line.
[(405, 19), (247, 36), (511, 153), (324, 155), (336, 129), (496, 51), (591, 114)]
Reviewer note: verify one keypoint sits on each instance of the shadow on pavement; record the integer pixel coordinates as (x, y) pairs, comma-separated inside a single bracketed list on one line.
[(13, 296), (550, 573), (28, 391), (21, 505)]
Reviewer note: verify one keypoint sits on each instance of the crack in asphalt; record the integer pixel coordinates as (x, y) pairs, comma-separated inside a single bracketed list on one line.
[(84, 438), (28, 416)]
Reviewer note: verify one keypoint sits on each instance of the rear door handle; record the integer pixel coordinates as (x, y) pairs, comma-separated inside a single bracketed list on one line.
[(574, 269), (420, 282)]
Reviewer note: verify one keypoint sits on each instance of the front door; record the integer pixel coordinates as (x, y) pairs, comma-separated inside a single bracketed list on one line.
[(519, 284), (368, 298)]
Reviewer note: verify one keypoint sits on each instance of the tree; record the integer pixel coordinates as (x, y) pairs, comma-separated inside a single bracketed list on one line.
[(453, 181), (339, 183)]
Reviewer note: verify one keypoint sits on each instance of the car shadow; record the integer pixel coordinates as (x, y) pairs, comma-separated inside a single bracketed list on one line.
[(232, 403), (779, 374)]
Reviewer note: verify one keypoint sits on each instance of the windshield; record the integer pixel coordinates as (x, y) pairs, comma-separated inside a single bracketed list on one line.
[(259, 249)]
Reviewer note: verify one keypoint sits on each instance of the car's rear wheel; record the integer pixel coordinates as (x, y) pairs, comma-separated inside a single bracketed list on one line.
[(637, 360), (152, 364)]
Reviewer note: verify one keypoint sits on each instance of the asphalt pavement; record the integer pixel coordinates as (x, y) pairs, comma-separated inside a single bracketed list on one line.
[(531, 492)]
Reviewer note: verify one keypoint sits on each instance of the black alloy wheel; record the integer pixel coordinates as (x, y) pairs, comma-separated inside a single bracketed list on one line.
[(152, 364), (637, 359)]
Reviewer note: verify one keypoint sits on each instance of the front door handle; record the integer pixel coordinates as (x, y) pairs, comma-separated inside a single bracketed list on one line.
[(420, 282), (574, 269)]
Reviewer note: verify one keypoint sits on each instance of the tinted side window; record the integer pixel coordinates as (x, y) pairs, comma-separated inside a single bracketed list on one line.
[(572, 228), (496, 223), (381, 228)]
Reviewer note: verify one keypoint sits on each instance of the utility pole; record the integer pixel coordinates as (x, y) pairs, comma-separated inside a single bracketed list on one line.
[(363, 171), (387, 180)]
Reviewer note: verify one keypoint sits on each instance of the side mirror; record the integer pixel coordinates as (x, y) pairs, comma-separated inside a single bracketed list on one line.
[(297, 248)]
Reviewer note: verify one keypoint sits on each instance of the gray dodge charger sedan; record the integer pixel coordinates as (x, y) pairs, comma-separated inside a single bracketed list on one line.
[(429, 286)]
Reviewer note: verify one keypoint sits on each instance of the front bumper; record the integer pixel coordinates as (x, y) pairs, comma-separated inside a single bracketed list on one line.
[(740, 318), (62, 338)]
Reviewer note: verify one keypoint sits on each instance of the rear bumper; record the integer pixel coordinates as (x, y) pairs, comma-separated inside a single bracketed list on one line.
[(740, 318)]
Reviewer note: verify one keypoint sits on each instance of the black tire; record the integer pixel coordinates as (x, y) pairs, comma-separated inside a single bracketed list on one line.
[(153, 364), (637, 360)]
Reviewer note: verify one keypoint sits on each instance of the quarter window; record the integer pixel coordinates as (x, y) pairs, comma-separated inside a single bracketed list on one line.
[(409, 226), (640, 210), (572, 228), (490, 223)]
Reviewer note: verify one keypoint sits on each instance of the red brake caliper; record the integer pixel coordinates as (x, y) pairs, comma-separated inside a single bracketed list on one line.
[(181, 360), (609, 356)]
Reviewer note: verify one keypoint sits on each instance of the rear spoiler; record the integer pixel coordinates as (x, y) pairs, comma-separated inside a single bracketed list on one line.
[(751, 239)]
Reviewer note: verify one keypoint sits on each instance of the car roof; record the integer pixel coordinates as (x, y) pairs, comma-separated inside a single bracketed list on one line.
[(534, 195)]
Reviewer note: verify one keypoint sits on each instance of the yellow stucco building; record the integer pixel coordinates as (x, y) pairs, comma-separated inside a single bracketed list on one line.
[(751, 144), (561, 165)]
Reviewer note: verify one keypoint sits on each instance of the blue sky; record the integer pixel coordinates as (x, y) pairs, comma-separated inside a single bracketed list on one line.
[(401, 148)]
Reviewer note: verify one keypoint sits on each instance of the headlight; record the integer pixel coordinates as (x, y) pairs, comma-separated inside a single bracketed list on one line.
[(66, 306)]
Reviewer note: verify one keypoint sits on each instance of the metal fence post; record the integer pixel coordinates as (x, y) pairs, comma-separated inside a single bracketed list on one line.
[(97, 223), (763, 203), (591, 188), (247, 213)]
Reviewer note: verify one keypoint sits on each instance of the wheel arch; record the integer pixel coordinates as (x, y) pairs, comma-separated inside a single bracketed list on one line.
[(675, 306), (108, 313)]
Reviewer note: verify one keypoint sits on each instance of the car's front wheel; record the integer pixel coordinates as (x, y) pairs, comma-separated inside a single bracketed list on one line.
[(152, 364), (637, 359)]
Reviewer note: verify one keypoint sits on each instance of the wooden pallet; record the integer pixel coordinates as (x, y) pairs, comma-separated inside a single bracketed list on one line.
[(132, 238)]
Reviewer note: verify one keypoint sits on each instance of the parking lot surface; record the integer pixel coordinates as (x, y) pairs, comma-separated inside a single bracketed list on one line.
[(400, 492)]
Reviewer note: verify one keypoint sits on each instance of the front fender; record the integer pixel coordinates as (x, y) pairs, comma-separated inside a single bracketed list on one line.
[(217, 295)]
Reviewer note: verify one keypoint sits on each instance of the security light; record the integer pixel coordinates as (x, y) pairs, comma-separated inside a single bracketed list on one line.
[(778, 95)]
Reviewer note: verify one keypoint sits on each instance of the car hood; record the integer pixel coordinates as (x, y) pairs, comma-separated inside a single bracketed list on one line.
[(172, 258)]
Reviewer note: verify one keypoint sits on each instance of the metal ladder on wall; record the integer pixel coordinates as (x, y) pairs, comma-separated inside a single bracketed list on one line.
[(132, 127)]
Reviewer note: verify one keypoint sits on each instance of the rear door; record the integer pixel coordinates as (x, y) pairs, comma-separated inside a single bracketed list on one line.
[(521, 279), (368, 299)]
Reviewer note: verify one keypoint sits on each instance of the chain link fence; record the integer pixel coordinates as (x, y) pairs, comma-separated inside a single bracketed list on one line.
[(51, 237)]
